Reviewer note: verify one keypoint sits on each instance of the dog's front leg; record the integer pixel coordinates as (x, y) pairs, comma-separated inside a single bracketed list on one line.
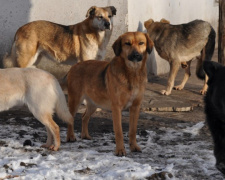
[(117, 126), (174, 67), (134, 115)]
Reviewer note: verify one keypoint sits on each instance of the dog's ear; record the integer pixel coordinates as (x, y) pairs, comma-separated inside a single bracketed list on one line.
[(148, 23), (164, 21), (149, 44), (117, 46), (211, 67), (113, 9), (91, 11)]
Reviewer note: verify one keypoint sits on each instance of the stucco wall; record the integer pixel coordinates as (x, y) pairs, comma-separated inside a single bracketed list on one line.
[(176, 11)]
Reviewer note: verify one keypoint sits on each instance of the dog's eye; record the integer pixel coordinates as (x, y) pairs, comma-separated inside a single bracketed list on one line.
[(128, 43), (100, 17), (109, 16), (141, 43)]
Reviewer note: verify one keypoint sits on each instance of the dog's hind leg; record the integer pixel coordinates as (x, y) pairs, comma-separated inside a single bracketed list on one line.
[(174, 67), (52, 130), (50, 140), (74, 100), (27, 55), (187, 74), (91, 108), (205, 86)]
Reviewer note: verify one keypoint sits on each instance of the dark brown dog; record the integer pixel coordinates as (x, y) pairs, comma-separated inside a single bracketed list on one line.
[(83, 41), (114, 86)]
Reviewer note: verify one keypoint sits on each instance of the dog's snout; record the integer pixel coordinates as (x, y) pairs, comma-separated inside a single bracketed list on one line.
[(107, 24), (135, 56)]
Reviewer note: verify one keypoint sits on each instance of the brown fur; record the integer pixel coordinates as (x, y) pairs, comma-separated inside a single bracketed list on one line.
[(114, 86), (179, 44), (82, 41)]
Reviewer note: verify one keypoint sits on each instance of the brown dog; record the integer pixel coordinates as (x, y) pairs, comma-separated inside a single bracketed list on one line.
[(114, 86), (179, 44), (82, 41)]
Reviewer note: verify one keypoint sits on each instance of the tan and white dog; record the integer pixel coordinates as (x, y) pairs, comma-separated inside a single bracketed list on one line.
[(42, 94), (114, 85), (79, 42)]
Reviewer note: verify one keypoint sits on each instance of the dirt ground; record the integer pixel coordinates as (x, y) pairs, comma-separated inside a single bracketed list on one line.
[(187, 105)]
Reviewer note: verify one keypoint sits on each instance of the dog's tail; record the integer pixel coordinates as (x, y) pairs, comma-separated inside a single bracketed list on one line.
[(63, 84), (9, 60), (61, 106), (206, 54)]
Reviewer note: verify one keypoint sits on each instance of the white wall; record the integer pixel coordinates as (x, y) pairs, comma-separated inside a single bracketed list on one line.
[(176, 11)]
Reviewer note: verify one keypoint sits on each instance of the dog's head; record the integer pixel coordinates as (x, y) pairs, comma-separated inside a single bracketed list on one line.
[(153, 28), (133, 47), (102, 17)]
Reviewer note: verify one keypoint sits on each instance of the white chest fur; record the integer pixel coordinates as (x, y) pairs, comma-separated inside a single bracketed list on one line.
[(132, 97)]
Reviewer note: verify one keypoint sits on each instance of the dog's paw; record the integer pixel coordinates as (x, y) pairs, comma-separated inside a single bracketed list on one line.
[(53, 148), (70, 138), (179, 87), (50, 147), (135, 148), (203, 92), (164, 92), (120, 152), (85, 136)]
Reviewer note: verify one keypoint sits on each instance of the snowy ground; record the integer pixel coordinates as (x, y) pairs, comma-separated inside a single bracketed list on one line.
[(168, 152)]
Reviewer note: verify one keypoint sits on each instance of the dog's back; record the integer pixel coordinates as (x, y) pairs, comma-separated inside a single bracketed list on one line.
[(183, 42), (36, 88)]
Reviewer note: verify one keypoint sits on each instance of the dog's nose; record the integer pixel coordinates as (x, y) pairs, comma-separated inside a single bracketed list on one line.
[(135, 56), (107, 25)]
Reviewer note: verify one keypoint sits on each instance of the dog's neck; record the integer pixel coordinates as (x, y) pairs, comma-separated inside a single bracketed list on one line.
[(156, 32), (129, 71), (99, 35)]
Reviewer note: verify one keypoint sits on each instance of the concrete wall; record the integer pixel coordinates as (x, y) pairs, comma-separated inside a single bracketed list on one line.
[(176, 11), (131, 15)]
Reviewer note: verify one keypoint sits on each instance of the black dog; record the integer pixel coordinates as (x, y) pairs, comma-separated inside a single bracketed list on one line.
[(215, 109)]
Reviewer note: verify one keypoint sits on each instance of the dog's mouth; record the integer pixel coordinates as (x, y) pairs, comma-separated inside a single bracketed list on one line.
[(104, 29), (135, 56)]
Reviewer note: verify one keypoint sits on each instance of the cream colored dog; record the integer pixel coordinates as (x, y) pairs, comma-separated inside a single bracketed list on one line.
[(41, 92)]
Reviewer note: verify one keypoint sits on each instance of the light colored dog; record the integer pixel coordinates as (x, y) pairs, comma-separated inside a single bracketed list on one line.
[(42, 94), (179, 44), (114, 85), (82, 41)]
